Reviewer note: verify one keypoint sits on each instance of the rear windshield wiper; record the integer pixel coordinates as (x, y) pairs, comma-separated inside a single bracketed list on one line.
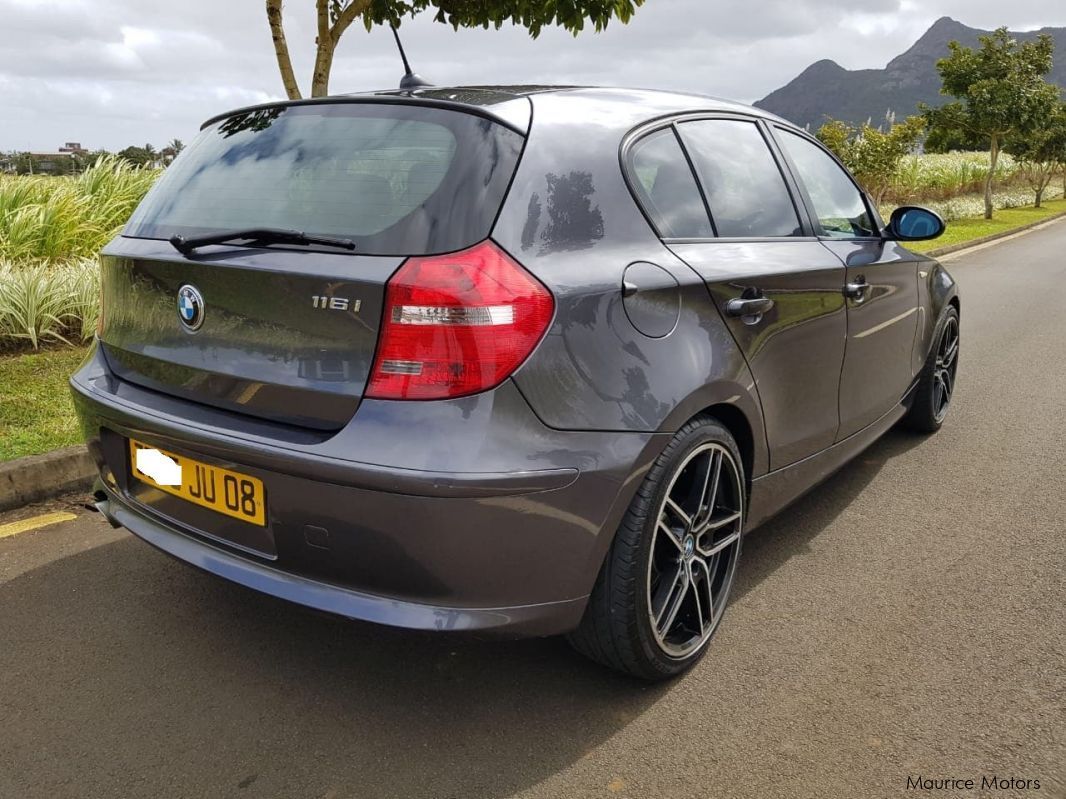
[(260, 235)]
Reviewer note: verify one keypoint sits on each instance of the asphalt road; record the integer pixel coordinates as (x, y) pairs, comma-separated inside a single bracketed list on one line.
[(907, 618)]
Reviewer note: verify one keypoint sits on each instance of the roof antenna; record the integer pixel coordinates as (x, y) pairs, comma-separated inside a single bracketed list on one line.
[(410, 81)]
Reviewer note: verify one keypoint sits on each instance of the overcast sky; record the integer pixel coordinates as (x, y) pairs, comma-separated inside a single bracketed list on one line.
[(110, 73)]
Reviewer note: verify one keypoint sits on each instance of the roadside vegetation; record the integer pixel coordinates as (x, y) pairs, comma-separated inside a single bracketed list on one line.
[(977, 227), (36, 414), (51, 229), (50, 219), (1008, 119)]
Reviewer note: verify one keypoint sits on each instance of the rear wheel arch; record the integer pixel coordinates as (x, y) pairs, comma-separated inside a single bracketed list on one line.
[(735, 403), (616, 628), (718, 402), (738, 425)]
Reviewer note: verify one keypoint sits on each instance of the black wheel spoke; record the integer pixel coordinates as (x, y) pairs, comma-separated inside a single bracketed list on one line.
[(671, 595), (675, 515), (704, 593), (949, 356), (946, 379), (709, 492)]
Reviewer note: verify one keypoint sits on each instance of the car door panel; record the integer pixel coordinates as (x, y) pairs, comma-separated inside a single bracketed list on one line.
[(882, 323), (881, 285), (764, 256), (795, 350)]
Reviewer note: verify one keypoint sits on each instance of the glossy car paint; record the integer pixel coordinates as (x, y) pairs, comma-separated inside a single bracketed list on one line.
[(245, 360), (882, 321), (495, 511)]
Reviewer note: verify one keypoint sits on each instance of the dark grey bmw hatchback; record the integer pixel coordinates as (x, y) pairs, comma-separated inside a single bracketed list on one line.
[(520, 360)]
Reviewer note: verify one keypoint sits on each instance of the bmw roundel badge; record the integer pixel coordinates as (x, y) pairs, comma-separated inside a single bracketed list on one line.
[(190, 307)]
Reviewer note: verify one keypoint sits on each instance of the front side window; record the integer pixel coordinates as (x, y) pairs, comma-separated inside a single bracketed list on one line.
[(838, 203), (666, 187), (745, 189)]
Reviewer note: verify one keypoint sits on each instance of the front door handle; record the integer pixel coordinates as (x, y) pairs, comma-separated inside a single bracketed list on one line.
[(756, 306), (857, 290)]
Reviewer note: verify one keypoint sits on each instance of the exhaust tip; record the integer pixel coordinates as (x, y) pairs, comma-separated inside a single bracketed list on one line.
[(103, 507), (105, 510)]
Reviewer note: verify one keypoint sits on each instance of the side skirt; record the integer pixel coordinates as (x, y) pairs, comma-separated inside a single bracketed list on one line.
[(772, 492)]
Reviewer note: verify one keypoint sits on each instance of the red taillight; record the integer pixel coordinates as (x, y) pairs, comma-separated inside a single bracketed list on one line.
[(457, 324)]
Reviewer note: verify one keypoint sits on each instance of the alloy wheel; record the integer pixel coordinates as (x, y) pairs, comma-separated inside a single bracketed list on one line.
[(947, 362), (695, 549)]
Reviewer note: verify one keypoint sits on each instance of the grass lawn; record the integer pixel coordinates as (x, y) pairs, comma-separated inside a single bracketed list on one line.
[(963, 230), (36, 414)]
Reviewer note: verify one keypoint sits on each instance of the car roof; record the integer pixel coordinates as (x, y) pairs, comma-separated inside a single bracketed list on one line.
[(487, 96), (512, 105)]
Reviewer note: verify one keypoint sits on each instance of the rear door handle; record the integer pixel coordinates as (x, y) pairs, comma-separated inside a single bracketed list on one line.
[(857, 290), (755, 306)]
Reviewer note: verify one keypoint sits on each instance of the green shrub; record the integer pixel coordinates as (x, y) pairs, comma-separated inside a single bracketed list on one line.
[(41, 303), (59, 218), (872, 154)]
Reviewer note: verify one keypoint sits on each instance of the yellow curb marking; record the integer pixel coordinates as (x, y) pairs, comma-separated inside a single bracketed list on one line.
[(35, 523)]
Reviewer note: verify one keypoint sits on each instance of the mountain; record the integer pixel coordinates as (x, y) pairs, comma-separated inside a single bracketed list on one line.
[(826, 89)]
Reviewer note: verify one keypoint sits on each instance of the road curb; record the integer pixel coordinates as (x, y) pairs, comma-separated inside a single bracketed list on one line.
[(1003, 234), (38, 477)]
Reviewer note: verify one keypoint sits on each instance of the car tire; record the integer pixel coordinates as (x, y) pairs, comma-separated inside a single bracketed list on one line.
[(663, 587), (936, 385)]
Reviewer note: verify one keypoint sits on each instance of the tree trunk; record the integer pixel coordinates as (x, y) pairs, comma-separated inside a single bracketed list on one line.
[(281, 49), (1039, 196), (323, 51), (323, 65), (328, 37), (990, 178)]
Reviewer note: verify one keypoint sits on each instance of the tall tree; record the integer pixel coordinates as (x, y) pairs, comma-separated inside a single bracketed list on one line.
[(1000, 89), (1041, 152), (334, 17)]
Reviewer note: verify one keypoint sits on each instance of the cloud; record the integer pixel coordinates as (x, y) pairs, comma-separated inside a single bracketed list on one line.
[(116, 72)]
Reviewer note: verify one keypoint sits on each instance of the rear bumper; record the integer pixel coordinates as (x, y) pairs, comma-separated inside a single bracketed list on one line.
[(460, 515), (532, 620)]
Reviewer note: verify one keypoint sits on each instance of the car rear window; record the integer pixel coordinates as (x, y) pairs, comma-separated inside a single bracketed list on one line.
[(398, 180)]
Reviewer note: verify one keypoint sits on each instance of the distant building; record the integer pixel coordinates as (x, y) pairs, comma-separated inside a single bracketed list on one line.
[(58, 162), (45, 163)]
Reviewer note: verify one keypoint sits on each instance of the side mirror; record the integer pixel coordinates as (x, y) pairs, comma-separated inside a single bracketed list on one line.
[(914, 223)]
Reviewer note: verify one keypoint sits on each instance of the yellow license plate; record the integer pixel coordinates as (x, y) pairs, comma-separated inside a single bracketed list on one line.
[(232, 493)]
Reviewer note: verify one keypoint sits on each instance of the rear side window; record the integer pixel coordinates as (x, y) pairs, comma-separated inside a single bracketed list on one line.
[(666, 187), (838, 204), (398, 180), (744, 187)]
